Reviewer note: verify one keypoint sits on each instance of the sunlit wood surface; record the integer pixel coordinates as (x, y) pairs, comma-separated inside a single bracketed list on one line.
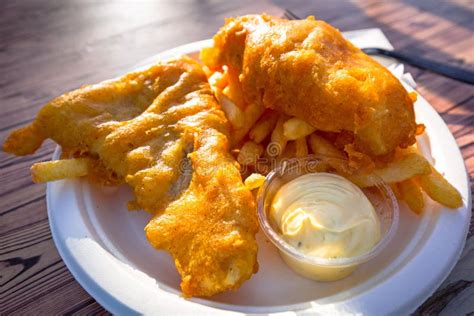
[(50, 47)]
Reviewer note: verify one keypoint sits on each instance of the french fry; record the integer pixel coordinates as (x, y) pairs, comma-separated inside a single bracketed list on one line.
[(263, 127), (249, 153), (439, 189), (217, 81), (301, 147), (408, 167), (241, 117), (321, 146), (278, 140), (254, 181), (251, 115), (411, 193), (296, 128), (207, 71), (402, 152), (59, 169), (233, 113), (234, 89)]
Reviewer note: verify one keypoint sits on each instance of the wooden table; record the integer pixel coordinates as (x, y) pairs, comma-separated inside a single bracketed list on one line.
[(49, 47)]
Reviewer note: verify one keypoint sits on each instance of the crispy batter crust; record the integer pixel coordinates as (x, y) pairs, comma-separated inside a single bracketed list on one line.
[(307, 69), (161, 131)]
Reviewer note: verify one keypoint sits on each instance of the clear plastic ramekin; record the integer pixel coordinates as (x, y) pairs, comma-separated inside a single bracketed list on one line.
[(316, 268)]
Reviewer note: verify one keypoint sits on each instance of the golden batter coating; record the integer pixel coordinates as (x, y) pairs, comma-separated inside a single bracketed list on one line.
[(161, 131), (306, 69), (210, 230)]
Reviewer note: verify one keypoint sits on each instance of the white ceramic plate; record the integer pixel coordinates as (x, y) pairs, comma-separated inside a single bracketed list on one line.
[(104, 247)]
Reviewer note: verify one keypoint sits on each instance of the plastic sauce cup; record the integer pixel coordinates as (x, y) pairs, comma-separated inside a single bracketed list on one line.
[(317, 268)]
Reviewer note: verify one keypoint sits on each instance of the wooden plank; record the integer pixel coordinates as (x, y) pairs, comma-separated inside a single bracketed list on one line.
[(50, 47)]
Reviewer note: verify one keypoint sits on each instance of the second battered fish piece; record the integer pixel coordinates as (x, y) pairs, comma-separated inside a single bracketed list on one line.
[(305, 68), (161, 131), (210, 229)]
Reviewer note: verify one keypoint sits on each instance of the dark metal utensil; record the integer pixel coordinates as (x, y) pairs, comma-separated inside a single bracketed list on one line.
[(453, 72), (450, 71)]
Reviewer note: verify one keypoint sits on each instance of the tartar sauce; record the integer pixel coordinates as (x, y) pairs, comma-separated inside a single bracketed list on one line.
[(324, 215)]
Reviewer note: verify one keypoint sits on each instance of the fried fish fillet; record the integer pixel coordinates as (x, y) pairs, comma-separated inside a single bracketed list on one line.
[(161, 131), (307, 69)]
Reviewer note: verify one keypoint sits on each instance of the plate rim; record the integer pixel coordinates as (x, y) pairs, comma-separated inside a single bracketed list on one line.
[(114, 305)]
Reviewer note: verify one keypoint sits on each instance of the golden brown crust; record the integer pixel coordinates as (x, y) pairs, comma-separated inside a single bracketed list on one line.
[(213, 242), (161, 131), (307, 69)]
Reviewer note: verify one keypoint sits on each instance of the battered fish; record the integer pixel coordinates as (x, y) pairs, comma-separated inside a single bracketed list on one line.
[(161, 131), (307, 69)]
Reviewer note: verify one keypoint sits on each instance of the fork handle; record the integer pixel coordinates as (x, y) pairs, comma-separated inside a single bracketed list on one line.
[(450, 71)]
